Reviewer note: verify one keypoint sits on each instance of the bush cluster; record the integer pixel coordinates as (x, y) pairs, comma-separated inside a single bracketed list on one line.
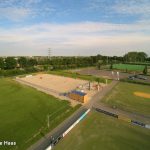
[(14, 72), (134, 81)]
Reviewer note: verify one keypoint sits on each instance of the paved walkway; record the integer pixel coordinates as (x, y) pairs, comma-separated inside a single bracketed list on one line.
[(44, 142), (96, 98)]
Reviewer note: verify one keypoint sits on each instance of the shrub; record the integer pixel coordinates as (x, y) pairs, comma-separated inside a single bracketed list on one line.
[(14, 72), (136, 82), (145, 70)]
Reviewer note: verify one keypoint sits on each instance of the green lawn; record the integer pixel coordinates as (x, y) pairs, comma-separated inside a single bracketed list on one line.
[(128, 67), (101, 132), (122, 96), (23, 113), (140, 63), (79, 76)]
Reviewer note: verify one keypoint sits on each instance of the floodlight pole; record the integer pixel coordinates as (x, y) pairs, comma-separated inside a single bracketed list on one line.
[(49, 115), (48, 121)]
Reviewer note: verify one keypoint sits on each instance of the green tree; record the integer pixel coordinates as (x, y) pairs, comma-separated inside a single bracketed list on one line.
[(10, 62), (145, 70), (32, 62), (98, 80), (46, 67), (99, 64), (142, 56), (111, 65), (2, 64), (22, 62), (148, 59), (135, 57)]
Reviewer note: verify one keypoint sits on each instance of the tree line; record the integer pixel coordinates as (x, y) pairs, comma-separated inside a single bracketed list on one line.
[(71, 62), (56, 62), (136, 57), (12, 62)]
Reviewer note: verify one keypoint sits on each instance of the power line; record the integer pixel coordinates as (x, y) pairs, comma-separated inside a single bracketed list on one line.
[(49, 53)]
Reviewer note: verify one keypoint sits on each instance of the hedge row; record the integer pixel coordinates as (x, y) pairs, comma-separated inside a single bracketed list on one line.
[(137, 63), (14, 72), (136, 82), (80, 76)]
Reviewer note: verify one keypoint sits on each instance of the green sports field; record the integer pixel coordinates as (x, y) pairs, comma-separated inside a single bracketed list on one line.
[(122, 96), (101, 132), (128, 67), (23, 113)]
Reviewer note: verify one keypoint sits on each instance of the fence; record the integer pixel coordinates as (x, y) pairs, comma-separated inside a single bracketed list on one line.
[(106, 112), (38, 86), (124, 118), (54, 142)]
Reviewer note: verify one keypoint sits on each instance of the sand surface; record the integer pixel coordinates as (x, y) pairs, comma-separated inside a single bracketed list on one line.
[(141, 94), (57, 85)]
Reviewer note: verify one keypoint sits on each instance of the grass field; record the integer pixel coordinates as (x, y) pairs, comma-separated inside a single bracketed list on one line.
[(23, 113), (140, 63), (100, 132), (79, 76), (128, 67), (122, 96)]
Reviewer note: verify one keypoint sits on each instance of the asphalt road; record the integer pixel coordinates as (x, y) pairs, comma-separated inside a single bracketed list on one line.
[(44, 142)]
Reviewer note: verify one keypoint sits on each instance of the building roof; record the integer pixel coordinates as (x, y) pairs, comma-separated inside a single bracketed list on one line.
[(78, 93)]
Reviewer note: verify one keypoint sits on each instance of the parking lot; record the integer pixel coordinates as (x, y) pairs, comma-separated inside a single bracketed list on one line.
[(102, 73), (108, 74)]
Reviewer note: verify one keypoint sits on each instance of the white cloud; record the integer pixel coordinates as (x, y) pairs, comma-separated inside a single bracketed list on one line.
[(140, 9), (134, 7), (18, 10), (72, 39), (14, 13)]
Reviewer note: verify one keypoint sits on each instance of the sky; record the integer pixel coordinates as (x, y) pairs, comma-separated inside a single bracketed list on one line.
[(74, 27)]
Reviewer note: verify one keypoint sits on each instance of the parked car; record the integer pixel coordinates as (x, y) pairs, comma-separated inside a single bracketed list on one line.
[(140, 77), (131, 77)]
